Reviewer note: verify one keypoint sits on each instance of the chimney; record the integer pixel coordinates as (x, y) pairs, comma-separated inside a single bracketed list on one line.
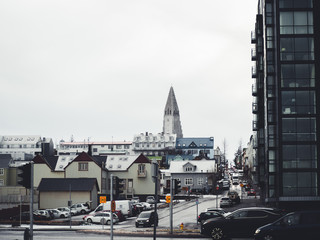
[(90, 150)]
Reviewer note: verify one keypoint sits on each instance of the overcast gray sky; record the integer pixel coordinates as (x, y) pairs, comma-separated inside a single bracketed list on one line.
[(102, 69)]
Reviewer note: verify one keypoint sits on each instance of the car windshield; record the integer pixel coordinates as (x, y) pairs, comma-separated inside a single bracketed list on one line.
[(144, 215)]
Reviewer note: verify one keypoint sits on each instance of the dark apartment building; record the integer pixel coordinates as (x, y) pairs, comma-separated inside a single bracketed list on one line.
[(286, 101)]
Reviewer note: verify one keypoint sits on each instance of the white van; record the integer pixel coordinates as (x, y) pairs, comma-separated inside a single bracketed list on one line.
[(125, 206)]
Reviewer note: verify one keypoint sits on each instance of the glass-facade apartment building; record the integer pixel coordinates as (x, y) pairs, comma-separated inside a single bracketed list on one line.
[(286, 101)]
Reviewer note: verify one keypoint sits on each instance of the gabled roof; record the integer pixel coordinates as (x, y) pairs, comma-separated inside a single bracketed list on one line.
[(51, 161), (64, 184), (85, 157), (201, 166), (5, 159), (123, 163), (195, 143), (142, 159)]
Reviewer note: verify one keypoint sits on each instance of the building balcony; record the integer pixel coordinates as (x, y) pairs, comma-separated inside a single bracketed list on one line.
[(255, 126), (142, 174), (254, 72), (254, 108), (253, 37), (253, 54), (254, 90)]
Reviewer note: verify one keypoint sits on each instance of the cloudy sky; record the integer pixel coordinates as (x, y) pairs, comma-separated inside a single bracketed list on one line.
[(102, 69)]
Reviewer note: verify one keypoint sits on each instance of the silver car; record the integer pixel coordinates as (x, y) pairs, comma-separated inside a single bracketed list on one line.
[(225, 202)]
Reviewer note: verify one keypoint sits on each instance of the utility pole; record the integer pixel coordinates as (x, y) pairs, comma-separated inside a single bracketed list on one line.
[(155, 179), (111, 213), (171, 205), (31, 201)]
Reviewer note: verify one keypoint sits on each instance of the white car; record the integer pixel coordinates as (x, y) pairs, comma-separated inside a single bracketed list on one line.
[(146, 206), (66, 209), (59, 214), (81, 208), (101, 217)]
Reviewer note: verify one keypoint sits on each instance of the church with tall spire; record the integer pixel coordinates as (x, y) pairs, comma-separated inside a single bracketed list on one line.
[(171, 119)]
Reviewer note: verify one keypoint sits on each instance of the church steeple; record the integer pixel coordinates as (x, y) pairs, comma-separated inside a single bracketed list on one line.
[(171, 120)]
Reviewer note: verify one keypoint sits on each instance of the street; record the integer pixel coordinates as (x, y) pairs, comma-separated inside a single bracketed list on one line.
[(185, 212)]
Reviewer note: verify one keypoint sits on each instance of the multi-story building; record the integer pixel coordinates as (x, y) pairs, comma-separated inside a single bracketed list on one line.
[(197, 147), (286, 94), (25, 147), (98, 148), (153, 144)]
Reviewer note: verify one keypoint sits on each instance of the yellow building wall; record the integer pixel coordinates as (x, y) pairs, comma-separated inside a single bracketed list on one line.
[(94, 171), (60, 199), (43, 171)]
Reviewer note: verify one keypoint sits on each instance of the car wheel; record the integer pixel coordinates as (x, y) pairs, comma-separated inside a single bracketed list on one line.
[(108, 222), (61, 216), (268, 237), (217, 233), (89, 220), (82, 211)]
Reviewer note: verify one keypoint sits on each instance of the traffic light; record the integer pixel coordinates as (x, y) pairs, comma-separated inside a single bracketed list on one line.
[(119, 187), (25, 175), (177, 186)]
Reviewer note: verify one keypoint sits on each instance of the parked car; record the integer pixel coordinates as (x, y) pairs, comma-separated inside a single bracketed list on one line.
[(225, 202), (150, 199), (135, 199), (66, 209), (207, 215), (41, 215), (119, 214), (146, 206), (81, 208), (147, 219), (214, 209), (137, 208), (293, 226), (59, 214), (252, 192), (102, 218), (240, 223)]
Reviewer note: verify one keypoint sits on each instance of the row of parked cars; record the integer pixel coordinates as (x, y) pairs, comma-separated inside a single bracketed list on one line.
[(261, 223)]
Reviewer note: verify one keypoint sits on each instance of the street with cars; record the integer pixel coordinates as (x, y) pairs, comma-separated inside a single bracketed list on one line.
[(235, 212)]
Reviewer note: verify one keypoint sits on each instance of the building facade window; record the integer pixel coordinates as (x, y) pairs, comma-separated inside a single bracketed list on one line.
[(1, 171), (83, 166), (188, 181), (189, 169), (299, 156), (1, 182), (297, 22), (200, 181), (141, 168), (300, 184)]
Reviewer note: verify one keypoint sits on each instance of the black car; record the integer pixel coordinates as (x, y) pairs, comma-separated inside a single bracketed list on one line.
[(147, 219), (295, 225), (207, 215), (240, 223)]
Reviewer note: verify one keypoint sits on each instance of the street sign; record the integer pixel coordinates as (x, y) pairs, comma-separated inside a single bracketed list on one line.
[(113, 206), (168, 199), (103, 199)]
